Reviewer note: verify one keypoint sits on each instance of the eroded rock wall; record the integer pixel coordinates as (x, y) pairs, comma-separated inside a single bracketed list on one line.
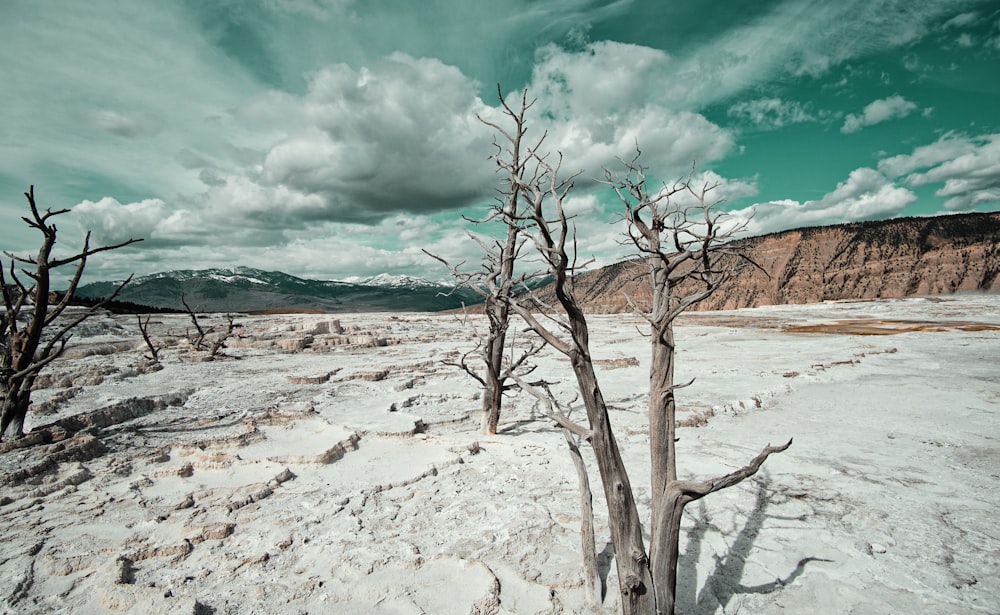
[(865, 260)]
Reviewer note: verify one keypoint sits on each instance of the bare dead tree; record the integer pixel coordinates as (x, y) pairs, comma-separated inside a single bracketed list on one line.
[(220, 342), (647, 578), (496, 280), (154, 351), (198, 339), (546, 192), (28, 340), (687, 243)]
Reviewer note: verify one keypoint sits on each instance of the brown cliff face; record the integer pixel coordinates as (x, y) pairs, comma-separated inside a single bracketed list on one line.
[(862, 260)]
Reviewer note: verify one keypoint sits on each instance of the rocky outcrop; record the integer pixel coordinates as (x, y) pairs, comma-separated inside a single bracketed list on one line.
[(863, 260)]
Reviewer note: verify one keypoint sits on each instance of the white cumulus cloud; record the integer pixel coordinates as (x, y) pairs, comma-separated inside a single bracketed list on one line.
[(967, 166), (599, 103), (114, 222), (876, 112), (970, 179), (865, 194), (400, 135)]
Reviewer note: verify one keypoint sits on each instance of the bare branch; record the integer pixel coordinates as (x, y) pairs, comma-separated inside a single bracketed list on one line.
[(40, 363), (64, 331), (697, 490), (464, 366), (551, 408), (674, 387), (550, 338), (91, 252)]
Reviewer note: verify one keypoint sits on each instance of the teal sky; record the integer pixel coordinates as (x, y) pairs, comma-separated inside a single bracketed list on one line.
[(337, 138)]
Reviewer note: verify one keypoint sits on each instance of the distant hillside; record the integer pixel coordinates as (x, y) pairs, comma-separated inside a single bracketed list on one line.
[(114, 306), (863, 260), (243, 289)]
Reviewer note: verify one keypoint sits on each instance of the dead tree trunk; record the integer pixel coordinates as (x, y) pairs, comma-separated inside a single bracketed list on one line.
[(591, 575), (573, 434), (498, 314), (16, 401), (635, 582), (25, 348)]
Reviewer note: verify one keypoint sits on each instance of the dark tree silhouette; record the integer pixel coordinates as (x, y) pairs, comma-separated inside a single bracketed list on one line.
[(30, 338)]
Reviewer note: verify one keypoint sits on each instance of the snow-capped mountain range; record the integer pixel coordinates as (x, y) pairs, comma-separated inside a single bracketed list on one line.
[(244, 289), (395, 281)]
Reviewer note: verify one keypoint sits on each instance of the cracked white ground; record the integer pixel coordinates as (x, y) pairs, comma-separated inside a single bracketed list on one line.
[(319, 468)]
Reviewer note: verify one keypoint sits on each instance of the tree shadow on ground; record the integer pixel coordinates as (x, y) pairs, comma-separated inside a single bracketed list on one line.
[(522, 426), (722, 584), (605, 561)]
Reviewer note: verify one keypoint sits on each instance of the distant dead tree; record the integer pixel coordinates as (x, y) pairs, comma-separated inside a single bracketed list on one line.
[(497, 280), (679, 248), (220, 340), (28, 340), (199, 338), (154, 351)]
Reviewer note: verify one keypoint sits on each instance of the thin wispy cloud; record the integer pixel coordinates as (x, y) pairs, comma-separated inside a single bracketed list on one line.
[(771, 113), (962, 20)]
